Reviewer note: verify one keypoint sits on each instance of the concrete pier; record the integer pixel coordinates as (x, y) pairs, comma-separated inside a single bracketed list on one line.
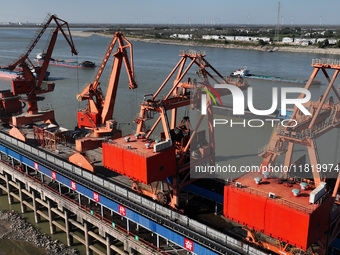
[(62, 213), (120, 221)]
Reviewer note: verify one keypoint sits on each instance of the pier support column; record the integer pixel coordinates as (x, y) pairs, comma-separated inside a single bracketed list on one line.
[(22, 198), (88, 238), (68, 227), (9, 189), (109, 251), (50, 217), (3, 184), (35, 207), (126, 246), (132, 251)]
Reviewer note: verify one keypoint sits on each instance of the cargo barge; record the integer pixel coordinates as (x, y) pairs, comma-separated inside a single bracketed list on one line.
[(7, 73), (244, 73), (67, 63), (12, 74)]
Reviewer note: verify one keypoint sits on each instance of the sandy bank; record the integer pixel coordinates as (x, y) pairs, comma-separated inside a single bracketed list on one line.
[(300, 49)]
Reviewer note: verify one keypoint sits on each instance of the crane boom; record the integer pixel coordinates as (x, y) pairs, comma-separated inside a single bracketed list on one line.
[(97, 117), (31, 86), (101, 109), (59, 23)]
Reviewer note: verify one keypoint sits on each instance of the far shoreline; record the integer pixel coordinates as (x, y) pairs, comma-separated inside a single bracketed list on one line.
[(293, 49)]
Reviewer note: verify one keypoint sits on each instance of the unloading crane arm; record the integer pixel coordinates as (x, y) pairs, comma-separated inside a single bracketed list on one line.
[(60, 23), (93, 91)]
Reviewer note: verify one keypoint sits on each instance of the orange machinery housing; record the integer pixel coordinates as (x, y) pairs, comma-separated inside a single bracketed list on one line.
[(9, 103), (271, 208), (142, 160)]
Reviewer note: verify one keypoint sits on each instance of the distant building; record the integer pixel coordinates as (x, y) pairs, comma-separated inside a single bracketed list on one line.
[(242, 38), (304, 41), (181, 36), (229, 38), (320, 40), (235, 38), (332, 41), (287, 40), (212, 37), (256, 39)]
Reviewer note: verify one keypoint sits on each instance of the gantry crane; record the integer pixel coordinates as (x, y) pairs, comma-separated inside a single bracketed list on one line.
[(30, 85), (304, 130), (97, 117), (324, 116), (180, 134)]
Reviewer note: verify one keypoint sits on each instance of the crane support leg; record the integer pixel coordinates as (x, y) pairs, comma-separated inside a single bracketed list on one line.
[(314, 161), (289, 153)]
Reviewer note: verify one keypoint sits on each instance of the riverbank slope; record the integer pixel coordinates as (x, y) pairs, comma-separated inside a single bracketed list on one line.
[(15, 228), (300, 49)]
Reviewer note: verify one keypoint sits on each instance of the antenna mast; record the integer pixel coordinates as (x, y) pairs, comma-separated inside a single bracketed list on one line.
[(277, 28)]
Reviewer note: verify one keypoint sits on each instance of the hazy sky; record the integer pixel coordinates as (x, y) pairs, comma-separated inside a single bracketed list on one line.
[(174, 11)]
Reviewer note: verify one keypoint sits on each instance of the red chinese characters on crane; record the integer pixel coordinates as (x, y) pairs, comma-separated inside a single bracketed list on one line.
[(54, 175), (96, 197), (73, 185), (189, 245), (36, 166), (122, 210)]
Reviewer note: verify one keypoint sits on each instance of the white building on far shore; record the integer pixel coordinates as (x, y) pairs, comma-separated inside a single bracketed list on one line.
[(181, 36)]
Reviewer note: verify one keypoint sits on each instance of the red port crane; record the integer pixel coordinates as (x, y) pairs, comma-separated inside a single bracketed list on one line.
[(163, 171), (30, 85), (287, 212), (97, 117)]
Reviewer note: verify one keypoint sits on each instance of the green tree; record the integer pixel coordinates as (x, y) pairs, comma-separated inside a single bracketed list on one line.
[(328, 33), (323, 44), (262, 43), (326, 42), (337, 44)]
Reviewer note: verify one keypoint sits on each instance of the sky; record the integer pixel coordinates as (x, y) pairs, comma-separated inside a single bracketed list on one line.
[(208, 12)]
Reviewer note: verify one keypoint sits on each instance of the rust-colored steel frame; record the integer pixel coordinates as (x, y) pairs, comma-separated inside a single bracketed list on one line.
[(28, 78), (100, 107), (174, 100), (48, 139), (325, 117), (307, 129), (60, 23), (93, 93)]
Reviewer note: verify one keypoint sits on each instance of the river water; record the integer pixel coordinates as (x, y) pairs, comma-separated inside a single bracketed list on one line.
[(153, 63), (9, 247)]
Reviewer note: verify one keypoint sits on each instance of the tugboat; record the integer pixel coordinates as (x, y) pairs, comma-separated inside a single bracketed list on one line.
[(240, 73)]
